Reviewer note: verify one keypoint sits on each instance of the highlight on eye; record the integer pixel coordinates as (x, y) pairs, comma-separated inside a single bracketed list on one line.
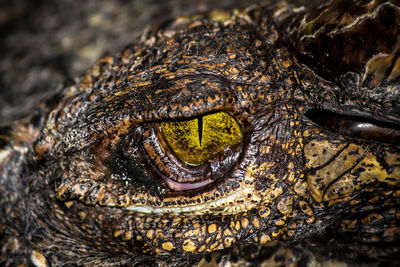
[(197, 140)]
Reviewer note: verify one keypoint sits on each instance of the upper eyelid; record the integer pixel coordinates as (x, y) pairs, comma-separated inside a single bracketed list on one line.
[(118, 117), (142, 108)]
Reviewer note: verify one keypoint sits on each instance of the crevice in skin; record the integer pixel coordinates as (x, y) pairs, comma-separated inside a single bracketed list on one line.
[(356, 126), (335, 156), (344, 173)]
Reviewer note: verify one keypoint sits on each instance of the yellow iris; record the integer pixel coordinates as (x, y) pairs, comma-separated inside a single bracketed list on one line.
[(198, 140)]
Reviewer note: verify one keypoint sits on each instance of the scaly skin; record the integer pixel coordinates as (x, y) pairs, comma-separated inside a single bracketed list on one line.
[(83, 181)]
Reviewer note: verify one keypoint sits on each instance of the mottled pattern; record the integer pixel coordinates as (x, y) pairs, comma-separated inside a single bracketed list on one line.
[(83, 180)]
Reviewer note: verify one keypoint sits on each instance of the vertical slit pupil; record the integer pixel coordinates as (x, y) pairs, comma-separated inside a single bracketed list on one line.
[(200, 128)]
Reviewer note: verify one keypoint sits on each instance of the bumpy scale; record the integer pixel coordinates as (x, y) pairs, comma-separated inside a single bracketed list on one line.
[(109, 173)]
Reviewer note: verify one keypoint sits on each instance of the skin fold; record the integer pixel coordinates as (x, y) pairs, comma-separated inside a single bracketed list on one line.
[(267, 135)]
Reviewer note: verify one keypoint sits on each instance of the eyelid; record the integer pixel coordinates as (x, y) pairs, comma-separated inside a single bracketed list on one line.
[(175, 186), (183, 97)]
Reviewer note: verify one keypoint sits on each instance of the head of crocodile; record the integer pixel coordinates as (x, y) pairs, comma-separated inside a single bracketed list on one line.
[(213, 138)]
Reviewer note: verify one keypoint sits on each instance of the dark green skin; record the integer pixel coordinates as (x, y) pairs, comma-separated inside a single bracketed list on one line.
[(298, 84)]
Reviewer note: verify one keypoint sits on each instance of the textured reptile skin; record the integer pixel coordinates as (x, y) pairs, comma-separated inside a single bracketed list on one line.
[(86, 179)]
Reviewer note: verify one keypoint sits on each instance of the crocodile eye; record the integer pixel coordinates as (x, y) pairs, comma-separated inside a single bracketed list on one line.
[(197, 140)]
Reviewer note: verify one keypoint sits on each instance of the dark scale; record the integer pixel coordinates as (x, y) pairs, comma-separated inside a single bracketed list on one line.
[(89, 178)]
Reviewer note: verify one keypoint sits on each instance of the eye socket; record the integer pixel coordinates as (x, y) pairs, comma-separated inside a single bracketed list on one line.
[(141, 168), (197, 140)]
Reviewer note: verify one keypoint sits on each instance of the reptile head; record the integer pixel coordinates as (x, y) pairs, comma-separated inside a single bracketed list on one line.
[(217, 132)]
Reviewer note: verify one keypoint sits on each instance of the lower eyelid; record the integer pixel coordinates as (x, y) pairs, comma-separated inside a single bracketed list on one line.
[(187, 186)]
